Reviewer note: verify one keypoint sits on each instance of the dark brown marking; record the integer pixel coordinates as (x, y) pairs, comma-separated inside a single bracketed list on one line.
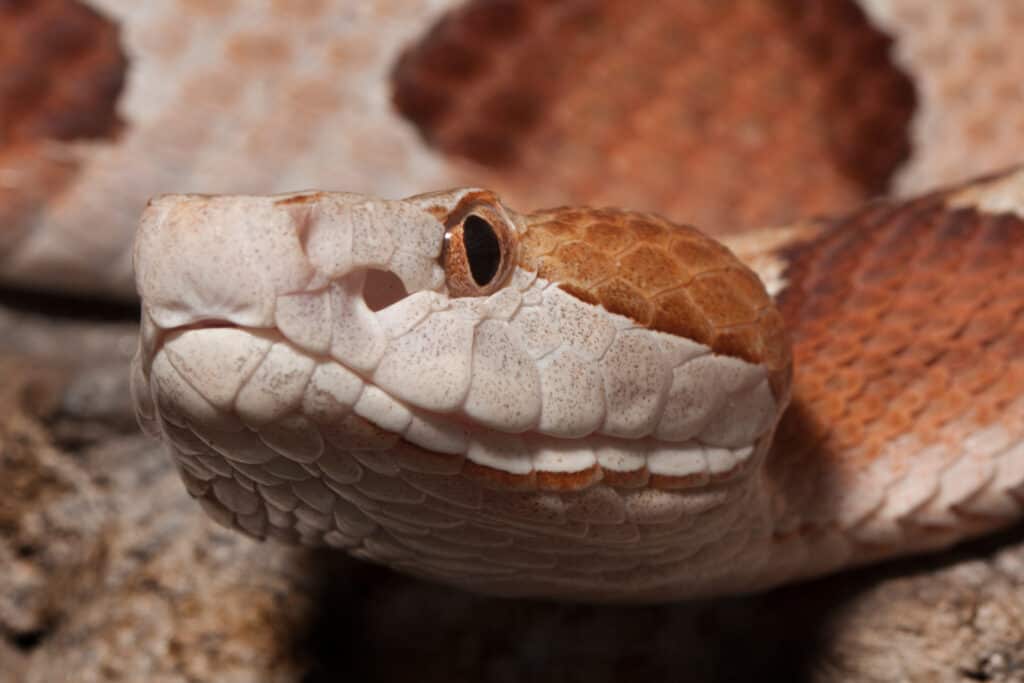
[(61, 72), (729, 115)]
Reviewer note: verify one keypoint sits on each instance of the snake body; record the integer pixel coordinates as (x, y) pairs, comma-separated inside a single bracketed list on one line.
[(589, 403)]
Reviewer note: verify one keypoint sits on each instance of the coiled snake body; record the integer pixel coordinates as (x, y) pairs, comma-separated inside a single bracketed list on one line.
[(591, 404)]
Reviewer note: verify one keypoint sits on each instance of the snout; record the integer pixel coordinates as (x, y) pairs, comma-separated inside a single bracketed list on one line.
[(260, 262)]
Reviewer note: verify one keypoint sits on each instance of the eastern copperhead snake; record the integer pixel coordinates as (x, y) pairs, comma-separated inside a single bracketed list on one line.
[(589, 404)]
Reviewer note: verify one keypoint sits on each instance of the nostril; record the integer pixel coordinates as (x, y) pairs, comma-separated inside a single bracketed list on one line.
[(382, 288)]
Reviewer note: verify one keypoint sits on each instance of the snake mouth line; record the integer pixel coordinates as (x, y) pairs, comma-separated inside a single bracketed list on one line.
[(204, 324)]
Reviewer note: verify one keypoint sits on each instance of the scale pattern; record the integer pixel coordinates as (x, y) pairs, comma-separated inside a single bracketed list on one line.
[(908, 402)]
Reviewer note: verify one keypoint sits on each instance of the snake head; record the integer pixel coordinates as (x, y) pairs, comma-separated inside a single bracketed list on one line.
[(315, 348)]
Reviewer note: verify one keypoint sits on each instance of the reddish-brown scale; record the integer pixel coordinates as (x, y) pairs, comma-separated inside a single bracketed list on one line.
[(677, 315), (618, 296), (649, 269), (491, 477), (728, 115), (569, 481), (907, 323)]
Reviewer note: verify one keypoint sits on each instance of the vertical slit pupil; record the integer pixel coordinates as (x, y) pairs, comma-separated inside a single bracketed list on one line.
[(483, 249)]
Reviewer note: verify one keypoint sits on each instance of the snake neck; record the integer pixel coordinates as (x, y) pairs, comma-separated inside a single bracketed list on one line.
[(904, 431)]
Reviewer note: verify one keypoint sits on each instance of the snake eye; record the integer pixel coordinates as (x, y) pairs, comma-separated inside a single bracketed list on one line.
[(475, 253), (483, 251)]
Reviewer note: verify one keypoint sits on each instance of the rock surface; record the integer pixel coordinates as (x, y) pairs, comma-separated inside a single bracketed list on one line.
[(108, 570)]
